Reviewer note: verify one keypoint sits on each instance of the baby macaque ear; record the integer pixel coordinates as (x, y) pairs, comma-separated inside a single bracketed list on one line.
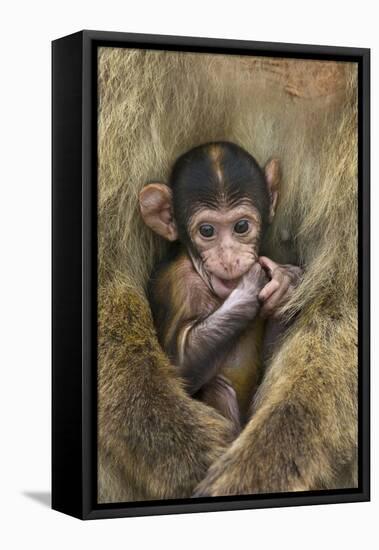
[(155, 201), (273, 177)]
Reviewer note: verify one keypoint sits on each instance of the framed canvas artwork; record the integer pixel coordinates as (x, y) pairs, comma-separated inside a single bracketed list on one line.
[(210, 274)]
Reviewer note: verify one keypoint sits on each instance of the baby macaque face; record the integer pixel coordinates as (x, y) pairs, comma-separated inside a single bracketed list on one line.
[(227, 241), (217, 203)]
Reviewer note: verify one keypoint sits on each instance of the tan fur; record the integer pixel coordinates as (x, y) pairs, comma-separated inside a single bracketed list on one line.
[(154, 441)]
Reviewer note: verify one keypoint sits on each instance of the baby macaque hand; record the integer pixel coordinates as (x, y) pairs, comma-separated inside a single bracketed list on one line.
[(284, 280), (254, 280), (247, 292)]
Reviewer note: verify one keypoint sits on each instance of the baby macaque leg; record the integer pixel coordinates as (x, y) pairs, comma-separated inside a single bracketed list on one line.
[(220, 394)]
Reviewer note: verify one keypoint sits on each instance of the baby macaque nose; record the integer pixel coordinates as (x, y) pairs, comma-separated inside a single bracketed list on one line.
[(227, 261), (231, 264)]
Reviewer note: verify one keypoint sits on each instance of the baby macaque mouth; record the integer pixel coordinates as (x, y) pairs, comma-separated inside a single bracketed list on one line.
[(229, 283), (224, 287)]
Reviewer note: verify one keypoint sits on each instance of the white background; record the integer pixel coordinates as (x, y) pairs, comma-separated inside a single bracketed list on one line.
[(26, 31)]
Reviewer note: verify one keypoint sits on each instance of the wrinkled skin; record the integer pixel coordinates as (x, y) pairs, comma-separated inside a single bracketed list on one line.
[(283, 281)]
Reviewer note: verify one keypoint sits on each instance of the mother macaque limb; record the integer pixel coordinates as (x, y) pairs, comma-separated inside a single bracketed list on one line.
[(206, 301)]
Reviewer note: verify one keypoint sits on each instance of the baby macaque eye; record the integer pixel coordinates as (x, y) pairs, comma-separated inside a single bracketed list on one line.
[(207, 230), (241, 227)]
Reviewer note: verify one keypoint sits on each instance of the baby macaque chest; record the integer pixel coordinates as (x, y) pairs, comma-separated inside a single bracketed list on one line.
[(242, 364)]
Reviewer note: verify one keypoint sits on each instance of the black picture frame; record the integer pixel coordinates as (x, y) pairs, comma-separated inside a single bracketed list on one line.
[(74, 203)]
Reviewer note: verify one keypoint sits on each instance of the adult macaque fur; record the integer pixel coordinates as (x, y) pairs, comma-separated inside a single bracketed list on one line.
[(154, 441)]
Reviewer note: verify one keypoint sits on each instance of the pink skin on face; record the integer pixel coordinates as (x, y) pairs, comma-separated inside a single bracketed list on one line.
[(228, 247)]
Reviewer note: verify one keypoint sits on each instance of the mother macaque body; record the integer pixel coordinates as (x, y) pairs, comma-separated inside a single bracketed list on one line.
[(206, 300)]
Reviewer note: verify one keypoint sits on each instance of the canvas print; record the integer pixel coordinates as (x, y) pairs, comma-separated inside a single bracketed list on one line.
[(227, 205)]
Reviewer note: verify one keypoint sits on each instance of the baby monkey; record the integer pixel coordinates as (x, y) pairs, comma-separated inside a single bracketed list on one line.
[(209, 299)]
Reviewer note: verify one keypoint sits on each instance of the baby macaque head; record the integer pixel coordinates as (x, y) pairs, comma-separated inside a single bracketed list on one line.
[(218, 203)]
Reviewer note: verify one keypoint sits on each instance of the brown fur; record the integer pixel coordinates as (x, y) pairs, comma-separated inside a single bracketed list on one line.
[(154, 441)]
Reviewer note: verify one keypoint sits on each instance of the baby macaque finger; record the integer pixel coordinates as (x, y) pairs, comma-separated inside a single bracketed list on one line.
[(268, 309), (268, 264), (255, 271), (276, 299), (255, 278), (294, 272), (276, 282)]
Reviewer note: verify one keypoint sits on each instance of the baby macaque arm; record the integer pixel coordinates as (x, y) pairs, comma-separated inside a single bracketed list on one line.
[(203, 344)]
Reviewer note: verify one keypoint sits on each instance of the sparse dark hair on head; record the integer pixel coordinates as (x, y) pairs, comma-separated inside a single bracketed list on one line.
[(213, 174)]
